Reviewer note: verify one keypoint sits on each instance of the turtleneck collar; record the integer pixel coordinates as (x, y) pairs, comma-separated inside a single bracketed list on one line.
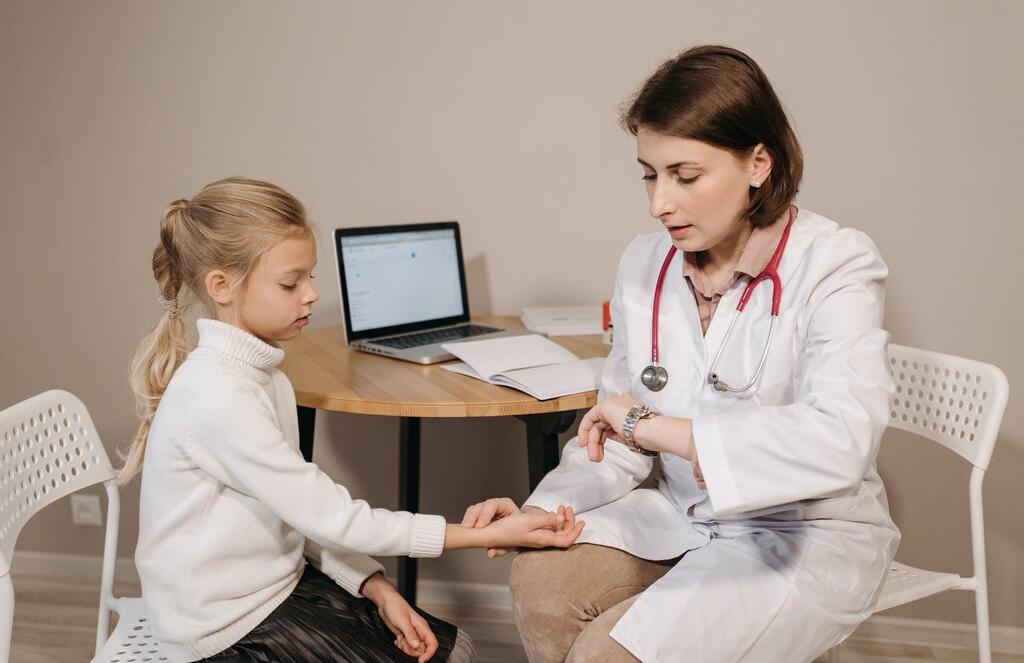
[(238, 345)]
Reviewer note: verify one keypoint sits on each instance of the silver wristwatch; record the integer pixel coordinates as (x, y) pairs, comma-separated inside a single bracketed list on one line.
[(635, 414)]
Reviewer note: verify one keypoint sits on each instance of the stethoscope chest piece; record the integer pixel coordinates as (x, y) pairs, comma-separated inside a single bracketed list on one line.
[(654, 377)]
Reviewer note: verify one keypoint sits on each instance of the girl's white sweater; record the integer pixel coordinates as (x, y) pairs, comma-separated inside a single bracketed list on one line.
[(230, 511)]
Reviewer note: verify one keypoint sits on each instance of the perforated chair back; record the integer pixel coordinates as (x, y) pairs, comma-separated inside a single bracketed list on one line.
[(956, 402), (49, 448)]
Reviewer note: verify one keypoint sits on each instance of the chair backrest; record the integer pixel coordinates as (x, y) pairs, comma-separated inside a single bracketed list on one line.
[(956, 402), (49, 448)]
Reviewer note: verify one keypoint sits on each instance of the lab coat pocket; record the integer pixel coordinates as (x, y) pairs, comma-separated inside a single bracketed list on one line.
[(739, 360)]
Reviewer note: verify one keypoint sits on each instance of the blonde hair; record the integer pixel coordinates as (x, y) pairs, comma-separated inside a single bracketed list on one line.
[(229, 225)]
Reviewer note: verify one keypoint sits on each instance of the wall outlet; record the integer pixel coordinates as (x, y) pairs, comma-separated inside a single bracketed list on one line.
[(85, 510)]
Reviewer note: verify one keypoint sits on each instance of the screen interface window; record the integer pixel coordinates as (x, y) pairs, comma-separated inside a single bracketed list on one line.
[(400, 278)]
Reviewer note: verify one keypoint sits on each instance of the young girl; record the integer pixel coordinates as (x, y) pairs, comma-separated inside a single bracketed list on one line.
[(230, 512)]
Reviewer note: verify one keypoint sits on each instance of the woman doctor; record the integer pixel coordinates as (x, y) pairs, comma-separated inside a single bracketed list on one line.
[(763, 534)]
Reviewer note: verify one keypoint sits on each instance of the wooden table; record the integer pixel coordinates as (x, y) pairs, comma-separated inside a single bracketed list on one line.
[(328, 375)]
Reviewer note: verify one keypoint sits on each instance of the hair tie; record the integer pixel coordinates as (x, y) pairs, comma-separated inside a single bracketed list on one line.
[(170, 306)]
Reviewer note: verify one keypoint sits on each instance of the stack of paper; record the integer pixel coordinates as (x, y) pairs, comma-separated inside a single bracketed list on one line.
[(563, 320), (529, 363)]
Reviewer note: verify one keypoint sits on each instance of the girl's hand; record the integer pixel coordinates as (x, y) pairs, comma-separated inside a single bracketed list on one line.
[(602, 422), (412, 633), (531, 529)]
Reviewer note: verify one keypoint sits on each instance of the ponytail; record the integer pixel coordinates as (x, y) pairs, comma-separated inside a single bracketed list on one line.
[(162, 349)]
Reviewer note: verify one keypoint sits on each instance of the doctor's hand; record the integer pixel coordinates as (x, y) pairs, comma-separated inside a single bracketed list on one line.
[(602, 422), (660, 433)]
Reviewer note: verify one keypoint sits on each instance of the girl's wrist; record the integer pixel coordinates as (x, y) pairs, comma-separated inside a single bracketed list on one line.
[(376, 588), (457, 537)]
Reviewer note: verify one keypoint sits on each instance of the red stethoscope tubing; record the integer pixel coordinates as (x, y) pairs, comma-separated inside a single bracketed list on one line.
[(770, 271)]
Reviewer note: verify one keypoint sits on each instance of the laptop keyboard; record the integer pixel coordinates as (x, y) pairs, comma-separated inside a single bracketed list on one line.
[(437, 336)]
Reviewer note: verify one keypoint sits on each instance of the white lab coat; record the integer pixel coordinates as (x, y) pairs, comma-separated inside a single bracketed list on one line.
[(787, 549)]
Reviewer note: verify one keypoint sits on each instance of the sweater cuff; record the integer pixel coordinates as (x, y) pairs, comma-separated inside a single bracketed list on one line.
[(427, 535), (349, 571), (360, 567)]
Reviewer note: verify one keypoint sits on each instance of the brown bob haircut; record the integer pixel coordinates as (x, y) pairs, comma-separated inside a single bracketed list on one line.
[(719, 96)]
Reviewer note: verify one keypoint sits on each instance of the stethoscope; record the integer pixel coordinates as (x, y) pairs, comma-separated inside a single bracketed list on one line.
[(655, 376)]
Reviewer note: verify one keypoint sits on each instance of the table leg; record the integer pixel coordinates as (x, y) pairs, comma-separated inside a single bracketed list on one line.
[(408, 495), (542, 431), (307, 422)]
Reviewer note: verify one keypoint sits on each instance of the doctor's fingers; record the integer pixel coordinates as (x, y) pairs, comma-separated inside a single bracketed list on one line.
[(595, 447), (593, 418), (494, 509), (469, 519), (481, 514)]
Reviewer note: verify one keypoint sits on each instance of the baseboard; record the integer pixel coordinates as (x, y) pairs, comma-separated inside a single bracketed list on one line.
[(477, 598), (929, 632)]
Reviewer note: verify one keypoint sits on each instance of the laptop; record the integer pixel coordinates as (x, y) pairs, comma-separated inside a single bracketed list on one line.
[(403, 290)]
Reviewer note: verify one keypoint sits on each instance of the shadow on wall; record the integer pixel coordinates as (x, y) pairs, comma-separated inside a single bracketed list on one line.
[(477, 284)]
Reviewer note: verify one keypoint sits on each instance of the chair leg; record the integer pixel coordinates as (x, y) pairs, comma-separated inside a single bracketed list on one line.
[(981, 613), (6, 616)]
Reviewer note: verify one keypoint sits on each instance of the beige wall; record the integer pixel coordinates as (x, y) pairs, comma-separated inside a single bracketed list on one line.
[(501, 115)]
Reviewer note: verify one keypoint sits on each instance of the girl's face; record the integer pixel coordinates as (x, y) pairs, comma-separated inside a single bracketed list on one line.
[(698, 191), (277, 299)]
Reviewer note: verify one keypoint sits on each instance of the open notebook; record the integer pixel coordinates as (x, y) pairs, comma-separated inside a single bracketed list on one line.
[(529, 363)]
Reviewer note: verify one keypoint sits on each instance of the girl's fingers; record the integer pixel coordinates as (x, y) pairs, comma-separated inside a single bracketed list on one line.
[(427, 638), (405, 627), (497, 552), (403, 644), (570, 518), (568, 537), (563, 539)]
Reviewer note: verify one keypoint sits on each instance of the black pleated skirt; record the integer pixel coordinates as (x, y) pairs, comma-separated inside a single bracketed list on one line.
[(322, 623)]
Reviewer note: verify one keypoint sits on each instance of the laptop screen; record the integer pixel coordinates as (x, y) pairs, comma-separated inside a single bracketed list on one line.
[(396, 279)]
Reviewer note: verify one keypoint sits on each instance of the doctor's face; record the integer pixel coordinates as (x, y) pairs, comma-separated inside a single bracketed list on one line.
[(698, 191)]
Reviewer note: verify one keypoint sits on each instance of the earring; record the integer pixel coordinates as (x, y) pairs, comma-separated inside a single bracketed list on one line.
[(756, 185)]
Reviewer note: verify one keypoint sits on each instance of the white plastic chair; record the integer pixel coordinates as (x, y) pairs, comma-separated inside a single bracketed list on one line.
[(958, 403), (49, 448)]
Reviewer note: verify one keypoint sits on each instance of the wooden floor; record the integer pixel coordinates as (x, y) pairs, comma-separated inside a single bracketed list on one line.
[(55, 622)]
